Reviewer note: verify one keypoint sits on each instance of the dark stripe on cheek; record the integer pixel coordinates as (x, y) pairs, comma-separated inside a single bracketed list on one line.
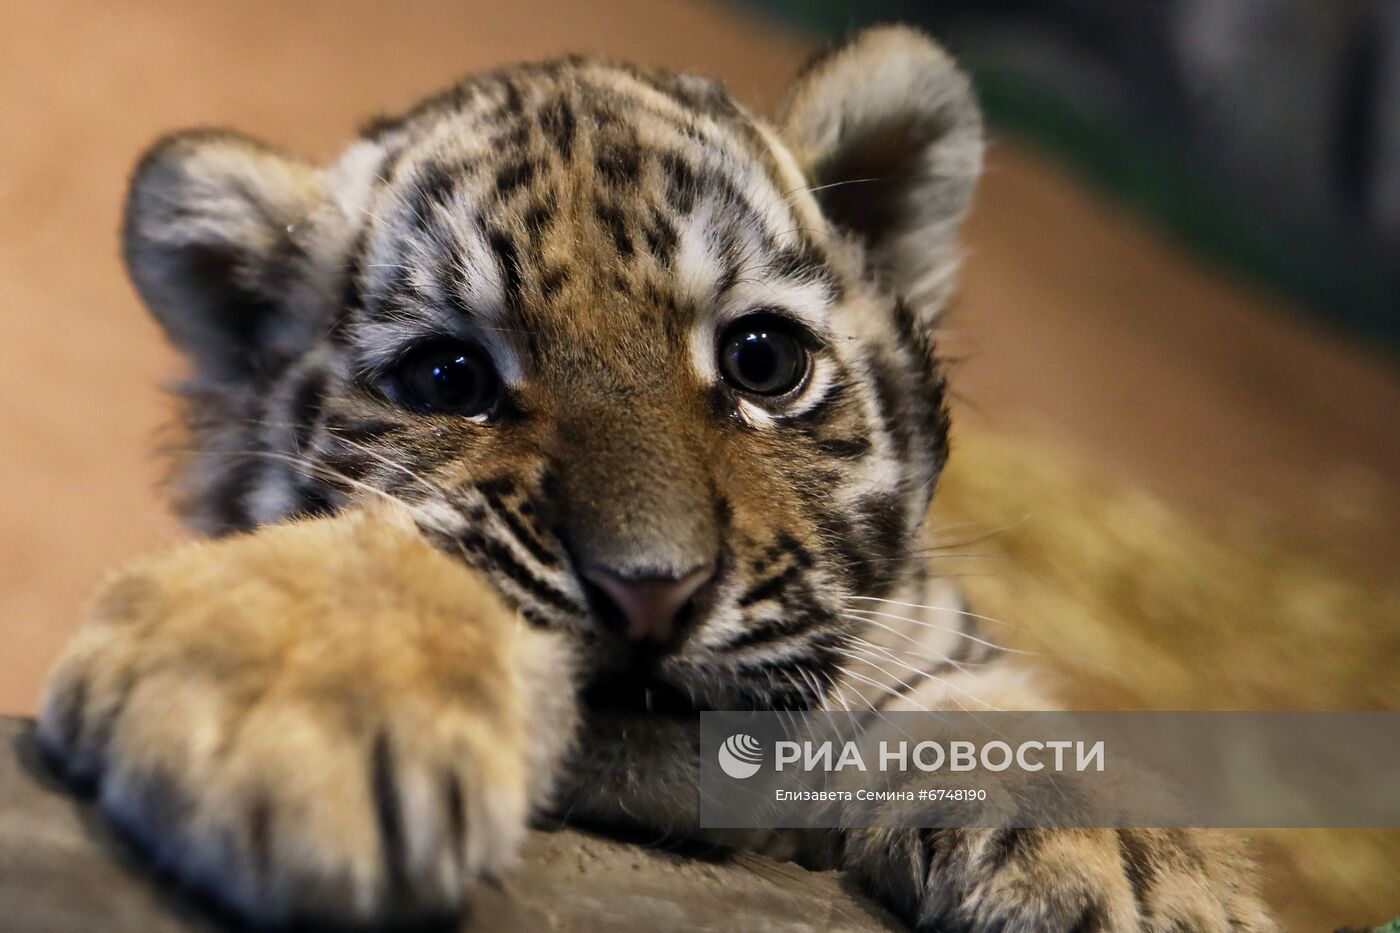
[(770, 588), (885, 515), (306, 407), (869, 543), (917, 341), (535, 618), (787, 544), (499, 558), (355, 432), (494, 488), (881, 527), (890, 403), (845, 448), (817, 486), (785, 687), (788, 624), (853, 564), (528, 538)]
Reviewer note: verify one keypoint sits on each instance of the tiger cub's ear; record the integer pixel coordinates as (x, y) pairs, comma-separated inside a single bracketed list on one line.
[(889, 133), (207, 242)]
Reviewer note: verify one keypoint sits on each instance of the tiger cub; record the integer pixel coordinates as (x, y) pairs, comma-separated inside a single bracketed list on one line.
[(570, 402)]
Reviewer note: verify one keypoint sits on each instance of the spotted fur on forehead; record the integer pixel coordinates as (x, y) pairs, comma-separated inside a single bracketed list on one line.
[(593, 228), (631, 195)]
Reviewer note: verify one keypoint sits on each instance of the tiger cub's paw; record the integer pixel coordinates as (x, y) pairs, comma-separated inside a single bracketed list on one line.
[(1060, 880), (315, 721)]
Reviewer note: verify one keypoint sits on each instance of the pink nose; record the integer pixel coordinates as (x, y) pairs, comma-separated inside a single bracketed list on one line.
[(650, 605)]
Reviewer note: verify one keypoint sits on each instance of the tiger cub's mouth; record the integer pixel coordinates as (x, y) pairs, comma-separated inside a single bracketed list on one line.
[(636, 693)]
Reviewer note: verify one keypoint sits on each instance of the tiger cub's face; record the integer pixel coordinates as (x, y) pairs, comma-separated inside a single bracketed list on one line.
[(662, 370)]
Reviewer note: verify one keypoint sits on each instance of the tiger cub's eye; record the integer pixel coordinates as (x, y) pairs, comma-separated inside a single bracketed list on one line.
[(762, 354), (448, 378)]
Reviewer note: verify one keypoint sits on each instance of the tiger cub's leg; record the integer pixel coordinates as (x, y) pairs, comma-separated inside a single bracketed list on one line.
[(326, 718), (1060, 880), (958, 880)]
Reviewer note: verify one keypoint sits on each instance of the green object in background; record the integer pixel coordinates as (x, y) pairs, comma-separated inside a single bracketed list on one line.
[(1340, 276), (1391, 927)]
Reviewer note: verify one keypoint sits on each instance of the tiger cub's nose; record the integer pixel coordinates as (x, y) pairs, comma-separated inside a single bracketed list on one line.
[(648, 608)]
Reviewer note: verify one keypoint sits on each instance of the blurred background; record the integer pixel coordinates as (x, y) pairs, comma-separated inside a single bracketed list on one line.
[(1267, 132), (1183, 265)]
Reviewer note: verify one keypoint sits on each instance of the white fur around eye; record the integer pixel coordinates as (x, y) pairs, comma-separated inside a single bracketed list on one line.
[(754, 416), (804, 301), (818, 384)]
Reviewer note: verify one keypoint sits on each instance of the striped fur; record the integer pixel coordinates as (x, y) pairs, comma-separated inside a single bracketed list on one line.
[(593, 227)]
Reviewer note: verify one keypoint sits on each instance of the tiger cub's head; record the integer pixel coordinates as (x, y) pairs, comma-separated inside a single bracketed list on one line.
[(664, 370)]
